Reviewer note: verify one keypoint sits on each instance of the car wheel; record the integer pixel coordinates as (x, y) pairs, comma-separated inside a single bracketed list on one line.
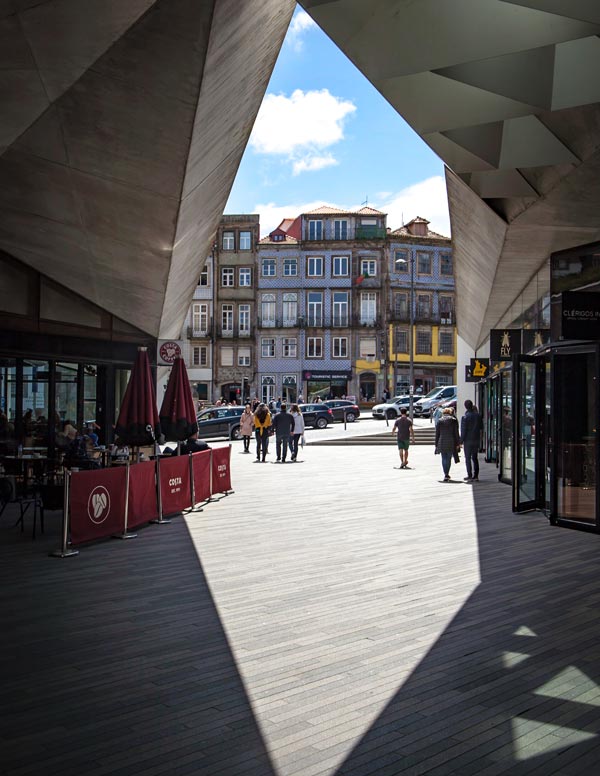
[(235, 433), (321, 423), (350, 417), (390, 414)]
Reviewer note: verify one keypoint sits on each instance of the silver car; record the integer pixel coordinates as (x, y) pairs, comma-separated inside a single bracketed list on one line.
[(391, 408)]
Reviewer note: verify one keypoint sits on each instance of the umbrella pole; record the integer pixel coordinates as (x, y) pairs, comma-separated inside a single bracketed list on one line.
[(161, 520), (126, 534)]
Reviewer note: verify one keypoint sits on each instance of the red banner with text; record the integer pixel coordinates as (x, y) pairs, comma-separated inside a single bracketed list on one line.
[(97, 500), (201, 473), (142, 494), (175, 484), (221, 469)]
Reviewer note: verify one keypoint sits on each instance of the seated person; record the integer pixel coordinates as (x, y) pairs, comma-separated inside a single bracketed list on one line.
[(194, 445), (119, 452), (90, 432), (78, 454)]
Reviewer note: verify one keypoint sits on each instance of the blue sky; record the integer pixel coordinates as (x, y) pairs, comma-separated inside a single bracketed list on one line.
[(324, 135)]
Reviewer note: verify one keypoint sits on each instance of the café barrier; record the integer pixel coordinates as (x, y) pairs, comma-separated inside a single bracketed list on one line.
[(108, 502)]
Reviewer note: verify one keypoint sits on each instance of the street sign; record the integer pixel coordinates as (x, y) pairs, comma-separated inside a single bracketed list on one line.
[(504, 343), (480, 368)]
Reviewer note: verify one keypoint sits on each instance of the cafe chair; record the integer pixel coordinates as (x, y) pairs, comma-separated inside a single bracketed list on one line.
[(24, 492)]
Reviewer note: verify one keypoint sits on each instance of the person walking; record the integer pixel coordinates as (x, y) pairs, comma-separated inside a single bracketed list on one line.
[(298, 430), (262, 424), (470, 437), (246, 426), (447, 440), (283, 423), (406, 434)]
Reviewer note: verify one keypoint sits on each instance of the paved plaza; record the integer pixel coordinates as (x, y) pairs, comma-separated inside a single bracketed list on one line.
[(333, 617)]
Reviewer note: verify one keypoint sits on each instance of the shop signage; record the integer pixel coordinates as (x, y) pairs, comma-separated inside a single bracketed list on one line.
[(580, 315), (479, 369), (504, 344), (168, 351), (535, 338), (315, 375)]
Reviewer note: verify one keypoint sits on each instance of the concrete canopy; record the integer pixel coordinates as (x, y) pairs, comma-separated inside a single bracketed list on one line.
[(507, 93), (123, 123)]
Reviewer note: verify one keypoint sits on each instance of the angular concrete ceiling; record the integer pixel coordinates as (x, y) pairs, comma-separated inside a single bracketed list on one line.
[(122, 126), (507, 93)]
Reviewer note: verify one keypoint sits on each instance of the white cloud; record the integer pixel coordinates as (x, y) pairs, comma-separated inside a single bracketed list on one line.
[(310, 163), (300, 127), (426, 198), (301, 22)]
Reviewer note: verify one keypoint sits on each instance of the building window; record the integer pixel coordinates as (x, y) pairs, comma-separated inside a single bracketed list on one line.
[(226, 356), (227, 318), (203, 281), (290, 347), (290, 309), (245, 276), (443, 380), (423, 306), (227, 276), (446, 264), (314, 347), (244, 319), (340, 347), (245, 241), (315, 308), (368, 307), (268, 388), (367, 347), (401, 263), (446, 343), (401, 344), (195, 356), (423, 263), (268, 310), (315, 230), (340, 266), (244, 356), (267, 347), (340, 308), (200, 355), (340, 229), (314, 266), (423, 342), (401, 305), (228, 241), (368, 268), (290, 267), (268, 268), (199, 319), (446, 309)]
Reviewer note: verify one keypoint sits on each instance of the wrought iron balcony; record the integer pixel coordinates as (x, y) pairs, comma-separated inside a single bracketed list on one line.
[(370, 233), (200, 333)]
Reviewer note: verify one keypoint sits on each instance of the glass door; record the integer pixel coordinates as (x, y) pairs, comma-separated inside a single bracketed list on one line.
[(492, 411), (528, 437), (506, 427), (575, 439)]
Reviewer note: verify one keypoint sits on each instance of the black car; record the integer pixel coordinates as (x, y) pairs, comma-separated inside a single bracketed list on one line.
[(219, 421), (339, 407), (316, 415)]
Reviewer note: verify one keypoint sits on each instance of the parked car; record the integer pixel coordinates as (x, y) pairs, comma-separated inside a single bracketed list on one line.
[(423, 407), (316, 415), (219, 421), (391, 408), (339, 407)]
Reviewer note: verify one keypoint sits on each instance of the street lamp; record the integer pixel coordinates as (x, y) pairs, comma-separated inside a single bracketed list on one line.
[(411, 358)]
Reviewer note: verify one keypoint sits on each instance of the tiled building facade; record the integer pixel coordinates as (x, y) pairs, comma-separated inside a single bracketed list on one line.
[(320, 307)]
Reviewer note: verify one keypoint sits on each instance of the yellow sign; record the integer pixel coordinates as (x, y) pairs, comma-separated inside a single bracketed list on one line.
[(480, 368)]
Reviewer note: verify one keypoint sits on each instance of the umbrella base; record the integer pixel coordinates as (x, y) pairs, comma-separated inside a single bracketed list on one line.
[(160, 521), (124, 535)]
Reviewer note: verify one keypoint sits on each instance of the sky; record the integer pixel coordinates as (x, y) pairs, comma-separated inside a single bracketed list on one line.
[(324, 135)]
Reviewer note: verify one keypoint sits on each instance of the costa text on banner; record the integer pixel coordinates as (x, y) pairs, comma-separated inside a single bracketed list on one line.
[(142, 493), (221, 470), (201, 470), (97, 501), (175, 484)]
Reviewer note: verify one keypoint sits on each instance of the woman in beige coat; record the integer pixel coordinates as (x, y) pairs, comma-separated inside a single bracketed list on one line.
[(246, 427)]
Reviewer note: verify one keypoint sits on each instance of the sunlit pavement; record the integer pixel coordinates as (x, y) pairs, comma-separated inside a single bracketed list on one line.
[(332, 616)]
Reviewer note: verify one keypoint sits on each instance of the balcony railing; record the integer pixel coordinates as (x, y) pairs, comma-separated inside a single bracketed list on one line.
[(235, 332), (422, 316), (200, 333), (370, 233)]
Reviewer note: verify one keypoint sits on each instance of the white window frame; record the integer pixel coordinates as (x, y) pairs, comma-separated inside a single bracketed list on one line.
[(227, 318), (340, 308), (270, 264), (228, 241), (245, 277), (341, 266), (199, 318), (204, 279), (339, 347), (242, 238), (368, 307), (290, 309), (289, 347), (244, 320), (267, 384), (267, 347), (315, 229), (314, 308), (290, 263), (368, 267), (227, 277), (244, 355), (314, 263), (340, 229), (226, 349), (268, 320), (314, 347)]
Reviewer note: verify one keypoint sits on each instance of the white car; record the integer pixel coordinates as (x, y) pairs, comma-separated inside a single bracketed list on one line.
[(423, 407), (391, 408)]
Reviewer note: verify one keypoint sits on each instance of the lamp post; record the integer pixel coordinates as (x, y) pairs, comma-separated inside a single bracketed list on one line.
[(411, 350)]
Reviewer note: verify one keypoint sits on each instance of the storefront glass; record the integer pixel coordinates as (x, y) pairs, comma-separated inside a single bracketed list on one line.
[(506, 427), (526, 475), (8, 404), (36, 402)]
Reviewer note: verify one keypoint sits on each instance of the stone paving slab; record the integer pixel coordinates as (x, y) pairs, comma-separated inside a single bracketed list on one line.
[(333, 617)]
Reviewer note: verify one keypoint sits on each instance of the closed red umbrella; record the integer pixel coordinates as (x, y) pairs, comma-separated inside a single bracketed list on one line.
[(178, 414), (138, 423)]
